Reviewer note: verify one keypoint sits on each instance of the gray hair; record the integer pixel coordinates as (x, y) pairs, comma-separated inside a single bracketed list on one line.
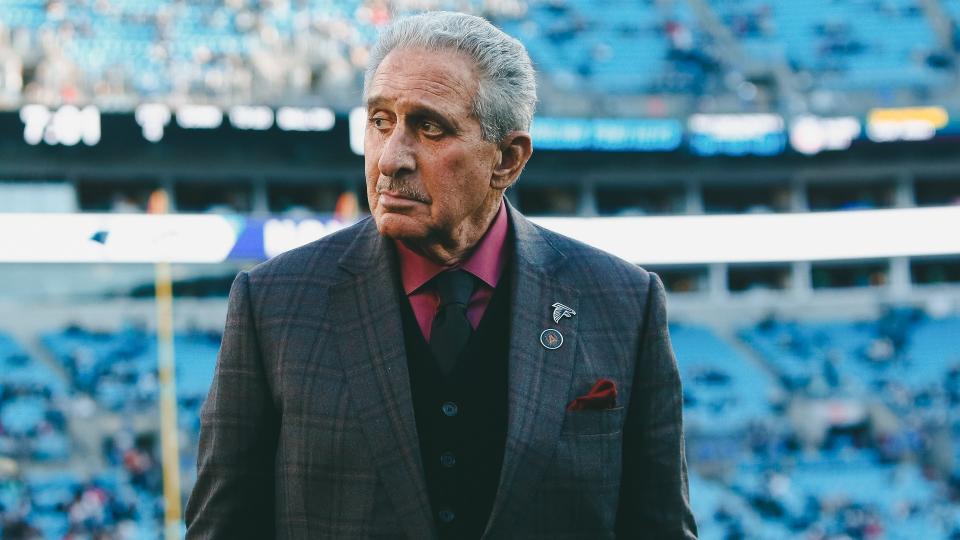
[(507, 90)]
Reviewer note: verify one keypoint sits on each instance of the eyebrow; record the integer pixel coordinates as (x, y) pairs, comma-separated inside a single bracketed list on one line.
[(376, 101), (418, 110)]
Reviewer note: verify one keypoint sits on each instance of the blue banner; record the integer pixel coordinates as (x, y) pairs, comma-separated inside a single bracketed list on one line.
[(607, 134)]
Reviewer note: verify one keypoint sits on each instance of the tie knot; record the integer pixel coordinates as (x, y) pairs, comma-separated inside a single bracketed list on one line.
[(454, 287)]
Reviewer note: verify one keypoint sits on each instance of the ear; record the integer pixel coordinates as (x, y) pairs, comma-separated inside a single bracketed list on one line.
[(514, 152)]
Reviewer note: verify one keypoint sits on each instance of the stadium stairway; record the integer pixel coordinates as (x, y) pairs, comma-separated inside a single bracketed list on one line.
[(749, 353), (724, 394), (939, 19), (770, 64), (28, 340), (708, 18)]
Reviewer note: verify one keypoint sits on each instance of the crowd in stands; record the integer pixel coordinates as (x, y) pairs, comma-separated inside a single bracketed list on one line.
[(653, 47), (60, 505), (845, 429), (722, 392), (32, 419), (756, 469), (845, 44), (119, 368), (236, 51), (108, 484), (118, 53), (901, 351)]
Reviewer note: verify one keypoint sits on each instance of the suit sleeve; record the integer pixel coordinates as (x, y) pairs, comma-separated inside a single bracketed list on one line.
[(234, 493), (654, 499)]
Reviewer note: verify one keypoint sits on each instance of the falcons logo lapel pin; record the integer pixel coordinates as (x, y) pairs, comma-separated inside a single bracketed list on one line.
[(560, 311)]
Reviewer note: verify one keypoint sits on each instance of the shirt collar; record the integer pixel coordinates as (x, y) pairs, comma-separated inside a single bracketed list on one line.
[(486, 262)]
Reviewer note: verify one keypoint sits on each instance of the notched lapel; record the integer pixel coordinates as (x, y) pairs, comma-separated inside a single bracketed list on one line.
[(371, 349), (539, 378)]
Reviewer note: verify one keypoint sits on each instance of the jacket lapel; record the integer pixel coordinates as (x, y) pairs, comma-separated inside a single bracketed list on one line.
[(539, 379), (371, 349)]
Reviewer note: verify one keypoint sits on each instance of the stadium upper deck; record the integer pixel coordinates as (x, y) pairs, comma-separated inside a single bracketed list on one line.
[(673, 57)]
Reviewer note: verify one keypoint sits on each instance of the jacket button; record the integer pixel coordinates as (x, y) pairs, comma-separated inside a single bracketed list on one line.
[(447, 459), (446, 516), (449, 409)]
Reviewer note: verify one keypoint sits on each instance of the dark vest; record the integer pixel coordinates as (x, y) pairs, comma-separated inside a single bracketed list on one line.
[(462, 419)]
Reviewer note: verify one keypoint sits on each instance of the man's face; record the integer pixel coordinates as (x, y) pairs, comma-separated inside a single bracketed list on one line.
[(428, 168)]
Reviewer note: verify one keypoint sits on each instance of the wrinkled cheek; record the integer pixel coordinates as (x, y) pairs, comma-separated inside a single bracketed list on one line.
[(372, 201), (371, 183), (373, 204), (371, 173), (371, 160)]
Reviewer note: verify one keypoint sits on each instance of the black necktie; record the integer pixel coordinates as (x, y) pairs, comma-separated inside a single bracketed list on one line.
[(451, 329)]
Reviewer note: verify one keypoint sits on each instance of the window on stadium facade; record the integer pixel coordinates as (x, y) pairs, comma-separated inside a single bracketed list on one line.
[(115, 195), (844, 275), (682, 279), (937, 192), (746, 198), (215, 197), (850, 196), (933, 270), (750, 277), (548, 200), (302, 197), (639, 201)]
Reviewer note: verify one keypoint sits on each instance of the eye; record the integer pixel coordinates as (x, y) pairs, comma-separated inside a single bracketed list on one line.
[(380, 122), (431, 129)]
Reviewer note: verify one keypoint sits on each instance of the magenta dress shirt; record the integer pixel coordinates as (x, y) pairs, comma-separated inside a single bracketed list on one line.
[(486, 263)]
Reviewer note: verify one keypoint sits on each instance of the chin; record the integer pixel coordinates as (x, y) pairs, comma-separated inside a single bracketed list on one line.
[(400, 227)]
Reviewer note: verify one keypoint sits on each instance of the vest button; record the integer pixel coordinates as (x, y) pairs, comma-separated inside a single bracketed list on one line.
[(446, 515), (447, 459), (449, 409)]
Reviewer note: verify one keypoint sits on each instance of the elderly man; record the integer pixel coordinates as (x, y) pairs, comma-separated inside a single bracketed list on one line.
[(445, 369)]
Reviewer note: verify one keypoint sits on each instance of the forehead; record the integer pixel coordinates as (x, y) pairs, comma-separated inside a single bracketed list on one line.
[(444, 79)]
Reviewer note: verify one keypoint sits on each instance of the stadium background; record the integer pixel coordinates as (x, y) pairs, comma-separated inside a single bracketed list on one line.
[(800, 159)]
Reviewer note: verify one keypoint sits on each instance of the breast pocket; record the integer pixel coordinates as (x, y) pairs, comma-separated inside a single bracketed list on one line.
[(593, 422)]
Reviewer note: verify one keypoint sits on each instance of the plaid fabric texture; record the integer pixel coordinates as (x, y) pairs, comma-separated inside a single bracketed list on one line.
[(308, 431)]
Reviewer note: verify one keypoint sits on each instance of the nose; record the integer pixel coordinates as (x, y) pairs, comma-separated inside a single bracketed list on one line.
[(397, 156)]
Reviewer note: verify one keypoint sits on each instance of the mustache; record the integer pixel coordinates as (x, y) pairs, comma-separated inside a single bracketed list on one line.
[(402, 187)]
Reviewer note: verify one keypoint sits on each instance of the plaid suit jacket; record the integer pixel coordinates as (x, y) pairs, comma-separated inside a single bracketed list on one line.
[(308, 431)]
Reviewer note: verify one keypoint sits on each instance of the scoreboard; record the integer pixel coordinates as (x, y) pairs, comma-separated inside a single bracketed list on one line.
[(760, 134)]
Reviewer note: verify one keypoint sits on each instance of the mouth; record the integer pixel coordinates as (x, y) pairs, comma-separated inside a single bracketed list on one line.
[(394, 189), (394, 200)]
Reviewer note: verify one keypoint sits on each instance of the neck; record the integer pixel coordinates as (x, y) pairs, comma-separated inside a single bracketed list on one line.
[(455, 248)]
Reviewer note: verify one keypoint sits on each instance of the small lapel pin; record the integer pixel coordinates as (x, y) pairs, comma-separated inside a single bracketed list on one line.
[(560, 311), (551, 338)]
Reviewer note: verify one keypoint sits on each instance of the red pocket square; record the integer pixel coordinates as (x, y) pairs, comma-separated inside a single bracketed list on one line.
[(603, 395)]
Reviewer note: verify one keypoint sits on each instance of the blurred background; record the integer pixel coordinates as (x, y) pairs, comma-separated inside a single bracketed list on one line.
[(798, 160)]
